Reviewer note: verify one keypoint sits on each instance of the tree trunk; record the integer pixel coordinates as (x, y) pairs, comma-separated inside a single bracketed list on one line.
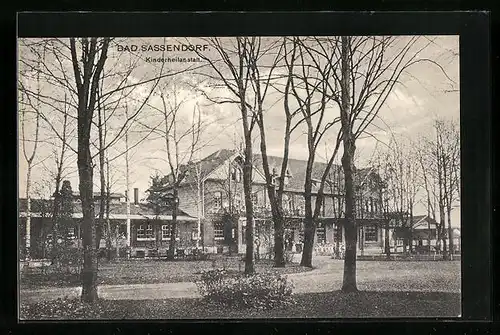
[(429, 225), (275, 198), (279, 241), (309, 232), (89, 271), (349, 280), (247, 187), (127, 179), (450, 234), (309, 229), (442, 225), (387, 241), (117, 237), (27, 254), (102, 205), (102, 178), (108, 221), (87, 77), (173, 226)]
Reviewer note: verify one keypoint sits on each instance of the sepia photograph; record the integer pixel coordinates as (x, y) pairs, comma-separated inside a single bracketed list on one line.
[(246, 177)]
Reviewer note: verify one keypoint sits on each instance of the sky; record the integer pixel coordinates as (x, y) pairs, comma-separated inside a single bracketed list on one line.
[(427, 90)]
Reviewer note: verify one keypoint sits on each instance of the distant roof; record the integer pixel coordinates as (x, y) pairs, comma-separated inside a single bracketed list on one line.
[(98, 195), (425, 233), (43, 205)]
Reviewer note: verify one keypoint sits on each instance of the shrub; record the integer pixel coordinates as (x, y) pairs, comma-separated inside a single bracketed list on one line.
[(261, 290), (68, 260)]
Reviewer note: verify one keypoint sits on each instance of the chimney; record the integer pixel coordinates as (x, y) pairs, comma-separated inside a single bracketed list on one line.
[(136, 196)]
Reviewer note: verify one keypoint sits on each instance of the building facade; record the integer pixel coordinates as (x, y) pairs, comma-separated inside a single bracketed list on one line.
[(213, 188), (211, 212)]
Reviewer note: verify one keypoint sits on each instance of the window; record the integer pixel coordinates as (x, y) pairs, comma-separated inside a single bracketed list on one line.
[(145, 232), (194, 234), (71, 233), (166, 232), (218, 199), (149, 231), (255, 199), (286, 203), (237, 204), (371, 234), (275, 180), (219, 231), (301, 234), (140, 231), (337, 233), (286, 181), (235, 174), (321, 234)]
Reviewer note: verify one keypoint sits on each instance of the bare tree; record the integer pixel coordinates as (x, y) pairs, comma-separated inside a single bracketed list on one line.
[(75, 69), (369, 69), (181, 144), (29, 157), (234, 73), (309, 74), (275, 182), (87, 71), (400, 172), (441, 156)]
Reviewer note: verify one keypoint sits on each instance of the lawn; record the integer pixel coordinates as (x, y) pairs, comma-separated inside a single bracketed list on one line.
[(150, 272), (437, 276), (312, 305)]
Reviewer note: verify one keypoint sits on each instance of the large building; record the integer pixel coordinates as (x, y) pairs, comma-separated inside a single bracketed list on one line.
[(211, 203), (214, 186)]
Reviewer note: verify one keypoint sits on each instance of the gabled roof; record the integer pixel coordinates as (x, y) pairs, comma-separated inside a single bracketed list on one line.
[(206, 165), (296, 168), (422, 222)]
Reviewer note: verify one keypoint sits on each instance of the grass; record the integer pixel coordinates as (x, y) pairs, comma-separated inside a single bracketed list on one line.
[(312, 305), (150, 272)]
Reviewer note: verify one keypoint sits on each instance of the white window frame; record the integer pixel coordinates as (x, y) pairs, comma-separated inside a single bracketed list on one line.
[(371, 229), (255, 199), (337, 233), (167, 238), (217, 200), (144, 228), (216, 228), (323, 232), (72, 233)]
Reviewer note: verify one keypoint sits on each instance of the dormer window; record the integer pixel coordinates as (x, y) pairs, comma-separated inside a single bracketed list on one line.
[(286, 181), (236, 174), (218, 200), (255, 200)]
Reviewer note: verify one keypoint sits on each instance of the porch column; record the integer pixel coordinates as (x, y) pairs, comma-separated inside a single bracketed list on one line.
[(329, 233), (240, 237), (382, 239)]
